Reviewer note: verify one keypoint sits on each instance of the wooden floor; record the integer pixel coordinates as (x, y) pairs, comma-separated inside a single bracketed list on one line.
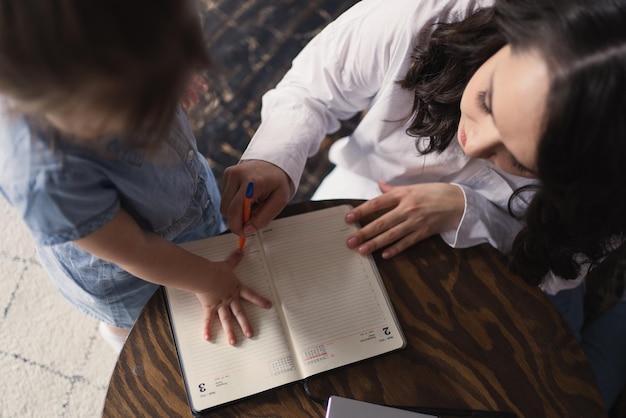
[(252, 44)]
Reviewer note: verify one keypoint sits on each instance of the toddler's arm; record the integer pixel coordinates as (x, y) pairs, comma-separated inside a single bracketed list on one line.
[(154, 259)]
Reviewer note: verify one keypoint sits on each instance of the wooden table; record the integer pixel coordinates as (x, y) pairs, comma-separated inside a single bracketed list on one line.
[(478, 338)]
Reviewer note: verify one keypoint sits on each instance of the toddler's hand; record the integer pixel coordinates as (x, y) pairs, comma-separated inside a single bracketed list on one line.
[(223, 295)]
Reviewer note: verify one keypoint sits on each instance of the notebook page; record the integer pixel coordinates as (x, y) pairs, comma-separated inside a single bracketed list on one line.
[(332, 298), (216, 372)]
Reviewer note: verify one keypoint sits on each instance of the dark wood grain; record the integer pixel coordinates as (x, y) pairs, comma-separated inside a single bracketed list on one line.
[(478, 338)]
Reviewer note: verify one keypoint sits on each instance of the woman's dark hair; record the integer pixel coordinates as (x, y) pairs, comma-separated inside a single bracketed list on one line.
[(442, 64), (579, 209), (581, 159), (133, 56)]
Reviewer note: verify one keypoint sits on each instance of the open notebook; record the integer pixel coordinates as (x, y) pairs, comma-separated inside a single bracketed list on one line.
[(330, 309)]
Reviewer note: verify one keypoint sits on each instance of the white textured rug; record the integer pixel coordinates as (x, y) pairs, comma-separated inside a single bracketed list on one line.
[(53, 362)]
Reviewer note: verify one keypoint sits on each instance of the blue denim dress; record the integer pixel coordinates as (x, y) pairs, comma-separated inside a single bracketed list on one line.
[(65, 191)]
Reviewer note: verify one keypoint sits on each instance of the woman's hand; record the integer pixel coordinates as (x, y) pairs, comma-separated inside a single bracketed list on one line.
[(222, 296), (415, 213), (272, 190)]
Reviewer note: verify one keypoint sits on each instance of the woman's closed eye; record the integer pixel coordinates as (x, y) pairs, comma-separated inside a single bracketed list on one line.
[(521, 169), (482, 102)]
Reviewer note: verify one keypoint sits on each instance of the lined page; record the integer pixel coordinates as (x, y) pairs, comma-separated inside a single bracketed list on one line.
[(332, 298), (216, 372)]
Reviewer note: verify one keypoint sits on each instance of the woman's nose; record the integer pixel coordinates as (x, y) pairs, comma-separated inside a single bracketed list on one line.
[(482, 143)]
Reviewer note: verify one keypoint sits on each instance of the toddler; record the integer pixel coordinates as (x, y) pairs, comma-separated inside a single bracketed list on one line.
[(97, 156)]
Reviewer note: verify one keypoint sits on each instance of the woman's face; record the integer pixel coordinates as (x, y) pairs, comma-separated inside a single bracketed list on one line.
[(502, 110)]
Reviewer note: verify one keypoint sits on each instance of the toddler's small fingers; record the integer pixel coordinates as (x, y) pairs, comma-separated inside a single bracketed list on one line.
[(226, 319)]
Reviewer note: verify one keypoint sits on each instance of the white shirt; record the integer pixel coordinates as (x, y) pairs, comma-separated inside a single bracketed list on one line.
[(354, 65)]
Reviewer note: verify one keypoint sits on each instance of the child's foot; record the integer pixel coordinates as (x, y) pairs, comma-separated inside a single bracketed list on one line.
[(114, 336)]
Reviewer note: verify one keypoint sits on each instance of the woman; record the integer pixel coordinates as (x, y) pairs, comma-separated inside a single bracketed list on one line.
[(534, 88), (356, 63)]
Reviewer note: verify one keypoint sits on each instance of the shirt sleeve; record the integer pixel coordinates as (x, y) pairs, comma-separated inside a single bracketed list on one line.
[(483, 222), (553, 284), (61, 206), (334, 77), (493, 209)]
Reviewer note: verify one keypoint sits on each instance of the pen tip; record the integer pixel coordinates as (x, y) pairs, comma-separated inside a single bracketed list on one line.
[(250, 190)]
